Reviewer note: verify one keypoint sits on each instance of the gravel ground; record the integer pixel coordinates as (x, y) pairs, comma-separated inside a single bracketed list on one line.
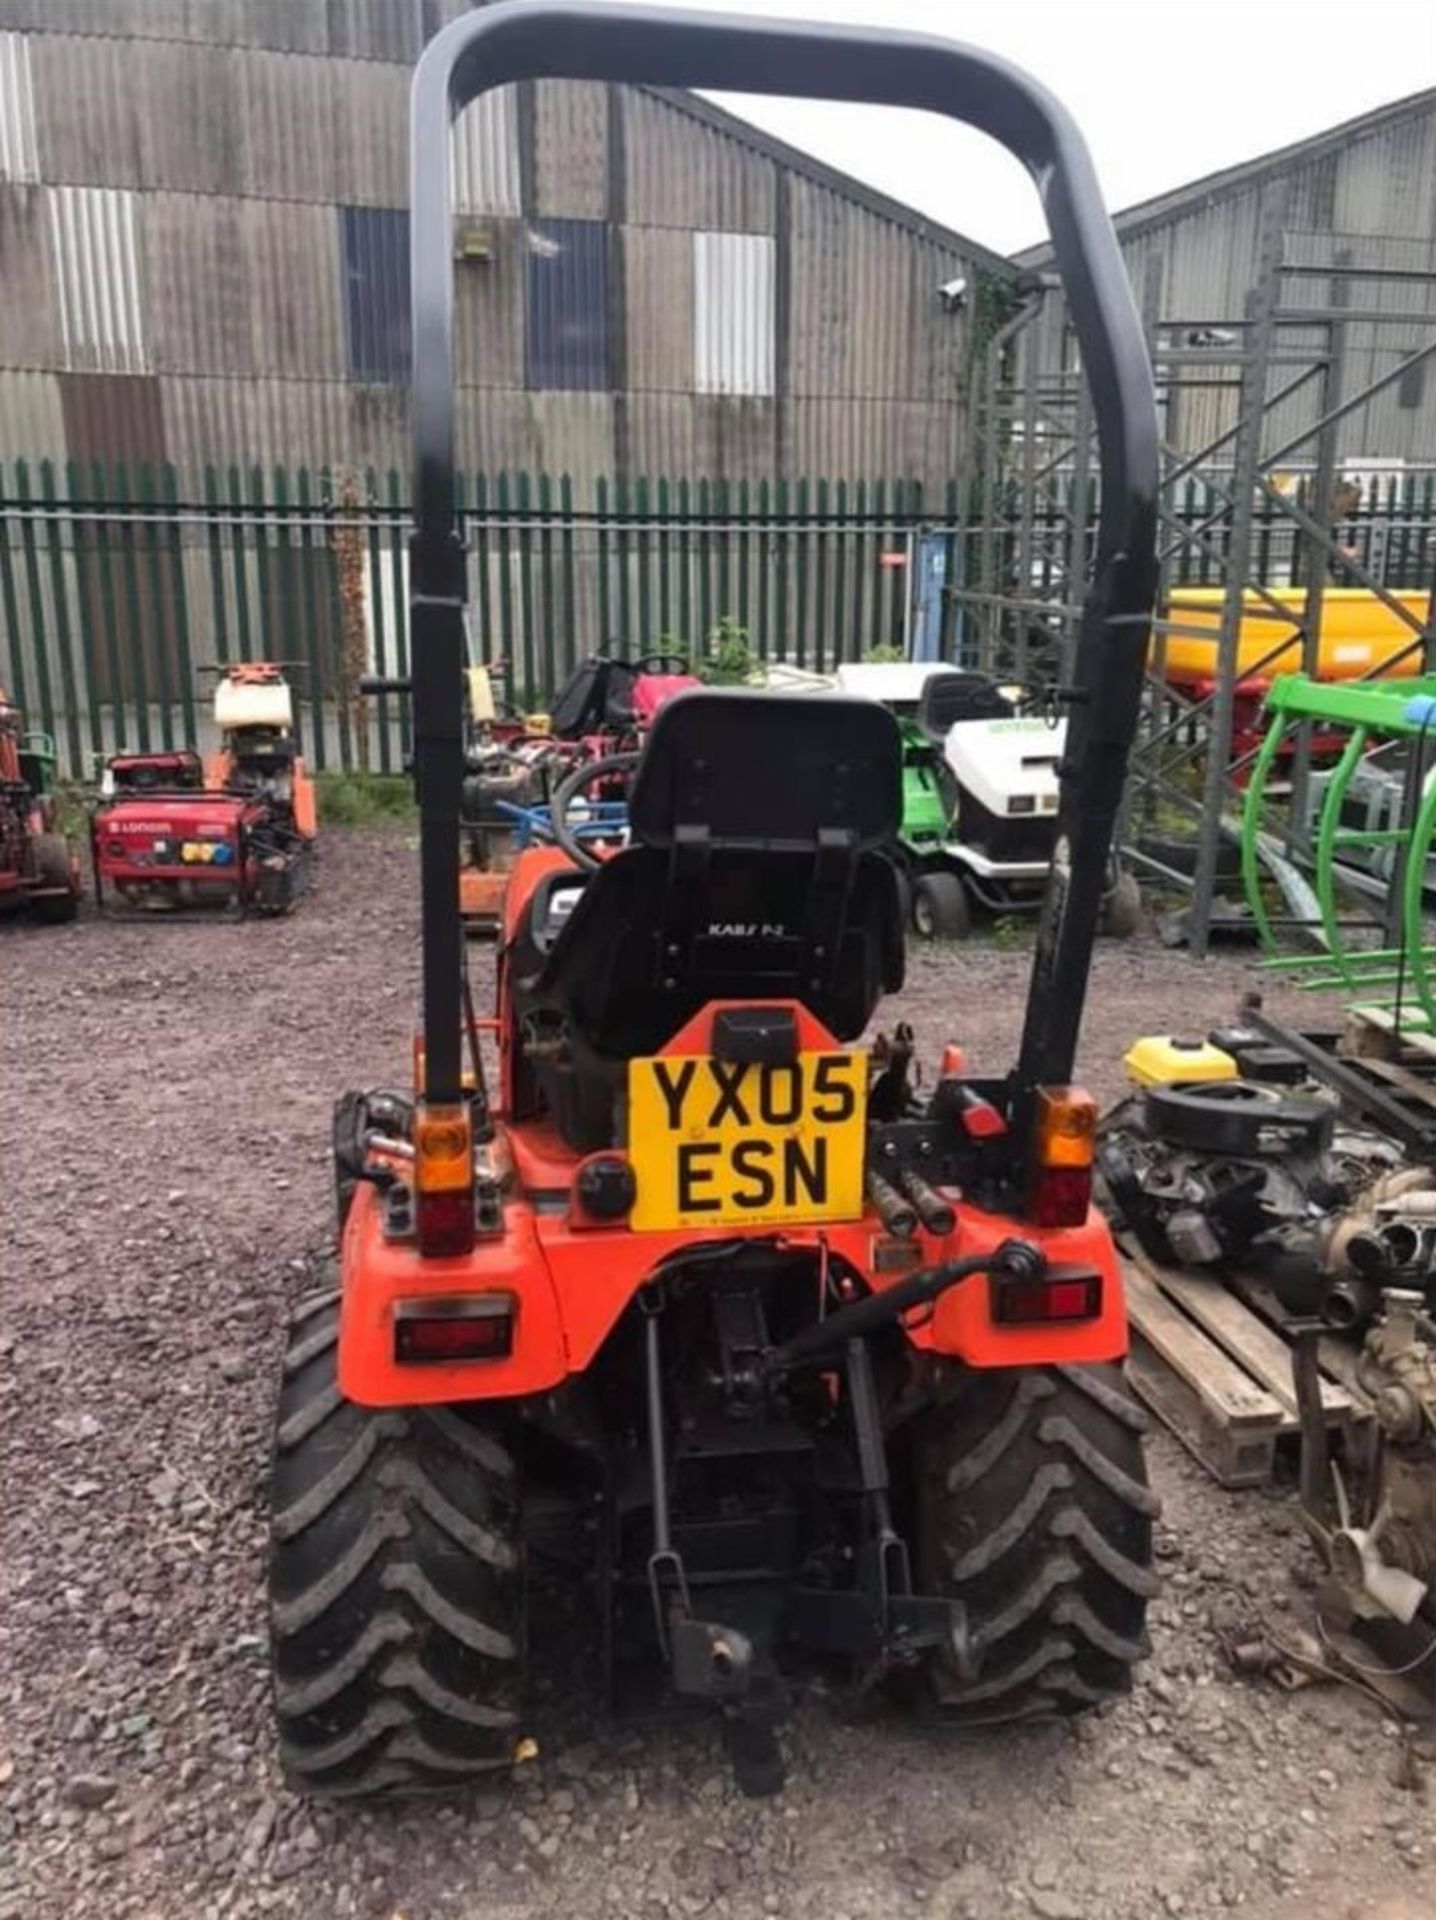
[(165, 1189)]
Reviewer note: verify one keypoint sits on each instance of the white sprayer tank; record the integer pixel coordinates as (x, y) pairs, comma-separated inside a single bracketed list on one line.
[(239, 704)]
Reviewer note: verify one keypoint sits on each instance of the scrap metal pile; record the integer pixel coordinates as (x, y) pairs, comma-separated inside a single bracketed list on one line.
[(1236, 1157), (1262, 1169)]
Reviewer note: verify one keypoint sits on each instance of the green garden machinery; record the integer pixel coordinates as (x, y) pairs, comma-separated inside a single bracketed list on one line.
[(1364, 830)]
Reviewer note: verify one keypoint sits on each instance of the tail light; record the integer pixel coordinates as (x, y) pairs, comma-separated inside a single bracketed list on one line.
[(443, 1180), (1062, 1293), (471, 1326), (1064, 1140)]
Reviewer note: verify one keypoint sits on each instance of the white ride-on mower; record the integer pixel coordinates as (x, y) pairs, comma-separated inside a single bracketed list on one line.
[(980, 788)]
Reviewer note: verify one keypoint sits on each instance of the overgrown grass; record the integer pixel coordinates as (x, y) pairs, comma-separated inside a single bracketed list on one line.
[(72, 808), (364, 799)]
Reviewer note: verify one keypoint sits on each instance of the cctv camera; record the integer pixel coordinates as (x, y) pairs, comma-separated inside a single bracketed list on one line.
[(953, 294)]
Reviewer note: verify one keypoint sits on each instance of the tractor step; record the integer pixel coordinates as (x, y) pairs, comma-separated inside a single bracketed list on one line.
[(1212, 1358)]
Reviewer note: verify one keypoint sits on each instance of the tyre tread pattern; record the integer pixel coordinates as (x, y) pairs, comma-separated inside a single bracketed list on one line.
[(1034, 1511), (395, 1585)]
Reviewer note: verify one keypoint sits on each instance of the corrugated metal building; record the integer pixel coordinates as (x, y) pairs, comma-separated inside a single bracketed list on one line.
[(1361, 194), (204, 258)]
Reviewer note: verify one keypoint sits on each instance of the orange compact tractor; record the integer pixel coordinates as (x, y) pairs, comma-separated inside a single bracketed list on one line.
[(702, 1323), (171, 830), (38, 871)]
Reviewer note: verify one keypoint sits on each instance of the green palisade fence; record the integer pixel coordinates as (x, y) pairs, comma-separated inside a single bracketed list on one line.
[(118, 583)]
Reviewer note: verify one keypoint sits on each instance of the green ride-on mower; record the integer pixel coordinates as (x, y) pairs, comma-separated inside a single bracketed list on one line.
[(702, 1347), (981, 762)]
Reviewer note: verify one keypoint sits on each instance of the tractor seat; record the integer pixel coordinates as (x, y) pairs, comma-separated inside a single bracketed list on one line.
[(754, 872), (598, 696), (947, 698)]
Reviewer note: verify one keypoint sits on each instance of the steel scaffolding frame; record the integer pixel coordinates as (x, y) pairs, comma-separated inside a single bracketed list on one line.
[(1026, 544)]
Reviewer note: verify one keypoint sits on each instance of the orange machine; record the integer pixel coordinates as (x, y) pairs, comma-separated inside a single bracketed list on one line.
[(694, 1187), (38, 871), (683, 1330)]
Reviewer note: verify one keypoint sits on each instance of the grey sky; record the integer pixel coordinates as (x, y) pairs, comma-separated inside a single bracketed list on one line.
[(1165, 90)]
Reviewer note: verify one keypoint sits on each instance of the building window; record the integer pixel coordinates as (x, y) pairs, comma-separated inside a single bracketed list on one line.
[(566, 343), (375, 246), (733, 312), (1411, 384), (95, 230), (18, 160)]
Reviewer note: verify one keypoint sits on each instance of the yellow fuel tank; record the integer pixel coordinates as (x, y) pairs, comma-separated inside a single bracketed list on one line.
[(1161, 1060)]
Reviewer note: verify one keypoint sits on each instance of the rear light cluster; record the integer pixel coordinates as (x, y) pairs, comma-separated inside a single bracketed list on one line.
[(449, 1329), (443, 1180), (471, 1326), (1060, 1294), (1064, 1141)]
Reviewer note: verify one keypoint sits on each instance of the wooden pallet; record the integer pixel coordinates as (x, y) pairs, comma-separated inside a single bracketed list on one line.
[(1218, 1374), (1372, 1029)]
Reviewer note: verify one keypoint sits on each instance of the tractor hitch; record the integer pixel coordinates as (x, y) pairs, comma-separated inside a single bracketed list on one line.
[(880, 1623), (706, 1660)]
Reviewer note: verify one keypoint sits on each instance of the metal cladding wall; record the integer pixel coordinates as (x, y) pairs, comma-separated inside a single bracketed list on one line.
[(209, 199), (1364, 193)]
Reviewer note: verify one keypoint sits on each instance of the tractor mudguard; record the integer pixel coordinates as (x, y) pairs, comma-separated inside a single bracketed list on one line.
[(381, 1278), (567, 1277), (570, 1286)]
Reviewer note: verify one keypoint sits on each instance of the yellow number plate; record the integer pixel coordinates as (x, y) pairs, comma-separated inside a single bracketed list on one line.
[(718, 1143)]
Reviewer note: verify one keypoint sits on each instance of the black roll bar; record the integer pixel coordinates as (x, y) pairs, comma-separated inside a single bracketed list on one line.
[(650, 46)]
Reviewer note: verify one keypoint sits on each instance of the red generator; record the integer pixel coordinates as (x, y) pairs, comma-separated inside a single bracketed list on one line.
[(172, 831)]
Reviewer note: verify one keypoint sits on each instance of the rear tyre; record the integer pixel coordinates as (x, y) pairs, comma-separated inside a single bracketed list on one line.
[(53, 870), (1034, 1511), (941, 909), (395, 1586), (1122, 908)]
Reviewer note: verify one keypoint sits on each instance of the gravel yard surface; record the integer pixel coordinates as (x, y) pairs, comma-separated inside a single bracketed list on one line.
[(166, 1191)]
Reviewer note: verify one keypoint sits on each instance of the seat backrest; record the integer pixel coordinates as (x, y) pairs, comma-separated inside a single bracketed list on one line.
[(754, 873), (949, 697), (769, 772), (597, 697)]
